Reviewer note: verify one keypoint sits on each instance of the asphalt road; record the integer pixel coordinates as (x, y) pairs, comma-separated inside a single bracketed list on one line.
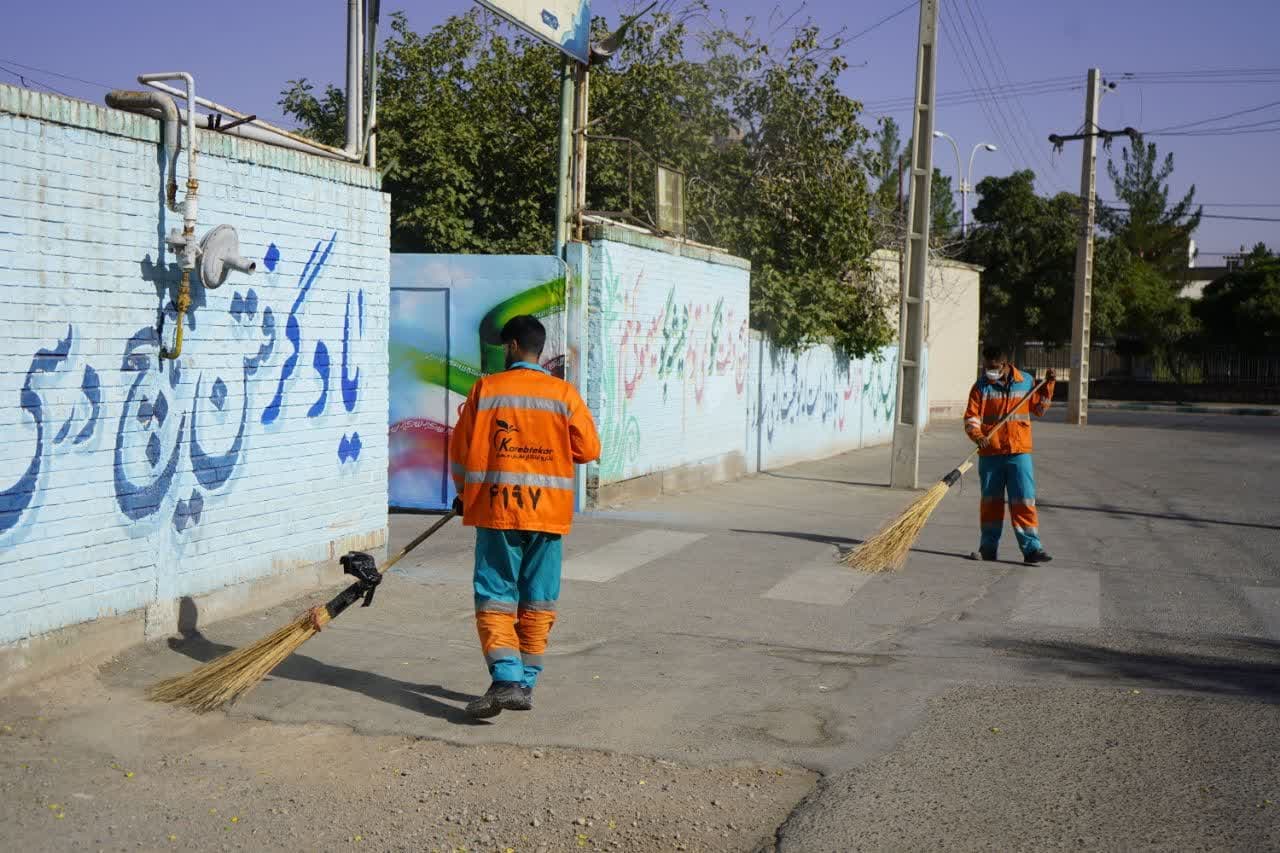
[(1125, 696)]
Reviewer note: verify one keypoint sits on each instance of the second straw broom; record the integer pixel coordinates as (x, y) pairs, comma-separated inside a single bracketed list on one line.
[(887, 551)]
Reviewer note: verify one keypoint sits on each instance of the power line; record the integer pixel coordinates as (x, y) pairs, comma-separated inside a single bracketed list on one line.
[(1229, 217), (967, 96), (1222, 117), (1205, 72), (975, 72), (1212, 203), (1268, 126), (54, 74), (880, 23), (23, 80), (1021, 118)]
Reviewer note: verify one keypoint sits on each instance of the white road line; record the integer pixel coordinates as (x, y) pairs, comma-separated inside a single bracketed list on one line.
[(826, 585), (1266, 601), (608, 562), (1069, 598)]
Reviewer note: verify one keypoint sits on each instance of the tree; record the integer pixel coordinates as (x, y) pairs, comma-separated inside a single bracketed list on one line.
[(1152, 230), (1154, 320), (772, 150), (888, 206), (467, 121), (944, 213), (1027, 244), (1243, 307), (1138, 302)]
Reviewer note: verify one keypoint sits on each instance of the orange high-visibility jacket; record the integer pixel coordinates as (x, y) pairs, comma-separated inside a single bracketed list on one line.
[(514, 447), (990, 401)]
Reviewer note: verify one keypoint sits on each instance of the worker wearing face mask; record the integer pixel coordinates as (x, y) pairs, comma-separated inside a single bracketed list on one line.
[(1004, 463)]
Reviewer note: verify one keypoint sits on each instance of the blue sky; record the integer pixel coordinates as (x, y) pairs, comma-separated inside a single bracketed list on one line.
[(243, 54)]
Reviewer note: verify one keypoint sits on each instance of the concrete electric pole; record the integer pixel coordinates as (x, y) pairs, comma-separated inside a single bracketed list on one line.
[(1081, 309), (905, 473)]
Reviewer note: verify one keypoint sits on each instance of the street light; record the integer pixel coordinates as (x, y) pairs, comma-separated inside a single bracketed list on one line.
[(966, 182)]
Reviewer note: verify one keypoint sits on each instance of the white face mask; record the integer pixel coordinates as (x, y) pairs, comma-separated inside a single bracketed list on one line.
[(994, 375)]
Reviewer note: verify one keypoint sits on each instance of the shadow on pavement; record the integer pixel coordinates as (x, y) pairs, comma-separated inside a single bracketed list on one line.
[(1253, 673), (1190, 519), (843, 543), (777, 476), (422, 698)]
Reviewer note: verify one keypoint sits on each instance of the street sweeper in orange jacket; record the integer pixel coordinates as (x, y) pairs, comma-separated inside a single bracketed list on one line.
[(512, 454), (1004, 458)]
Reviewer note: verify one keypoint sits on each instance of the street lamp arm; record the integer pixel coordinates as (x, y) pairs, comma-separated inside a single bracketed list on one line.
[(938, 134), (986, 146)]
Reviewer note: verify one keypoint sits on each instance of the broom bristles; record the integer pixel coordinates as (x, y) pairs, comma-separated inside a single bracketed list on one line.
[(887, 551), (228, 677)]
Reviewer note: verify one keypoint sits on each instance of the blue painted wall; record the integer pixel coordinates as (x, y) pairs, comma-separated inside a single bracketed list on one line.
[(125, 480)]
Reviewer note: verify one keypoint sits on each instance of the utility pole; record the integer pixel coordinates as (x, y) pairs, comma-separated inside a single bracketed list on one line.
[(1081, 308), (582, 101), (355, 75), (905, 471), (564, 180)]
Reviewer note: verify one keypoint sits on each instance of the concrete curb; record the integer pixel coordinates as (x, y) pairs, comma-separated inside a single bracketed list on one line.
[(1185, 409)]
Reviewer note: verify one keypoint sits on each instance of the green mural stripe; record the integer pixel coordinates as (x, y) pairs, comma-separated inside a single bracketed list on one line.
[(538, 300), (435, 369)]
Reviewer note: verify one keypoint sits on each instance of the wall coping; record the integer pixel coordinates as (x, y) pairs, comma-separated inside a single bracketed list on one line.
[(73, 112), (617, 233), (891, 255)]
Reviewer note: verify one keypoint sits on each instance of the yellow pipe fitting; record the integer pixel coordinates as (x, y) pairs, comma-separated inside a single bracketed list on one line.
[(182, 304)]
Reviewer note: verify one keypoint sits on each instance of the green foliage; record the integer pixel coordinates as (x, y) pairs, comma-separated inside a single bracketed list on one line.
[(771, 148), (1243, 308), (1151, 229), (1027, 244), (1154, 319), (944, 213), (1136, 296)]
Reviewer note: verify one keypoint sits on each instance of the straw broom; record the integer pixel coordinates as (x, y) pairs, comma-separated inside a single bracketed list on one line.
[(887, 551), (225, 679)]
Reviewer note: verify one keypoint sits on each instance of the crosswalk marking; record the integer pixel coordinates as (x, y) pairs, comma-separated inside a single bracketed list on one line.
[(608, 562), (1068, 598), (827, 585), (1266, 601)]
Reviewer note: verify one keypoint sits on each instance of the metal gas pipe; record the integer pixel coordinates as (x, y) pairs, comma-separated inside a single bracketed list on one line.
[(183, 244)]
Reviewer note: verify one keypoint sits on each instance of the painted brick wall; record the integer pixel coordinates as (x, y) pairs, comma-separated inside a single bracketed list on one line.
[(812, 404), (667, 354), (125, 480)]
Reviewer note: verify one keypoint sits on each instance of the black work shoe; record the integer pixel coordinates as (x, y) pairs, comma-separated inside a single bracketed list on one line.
[(524, 702), (500, 695), (985, 555), (1041, 556)]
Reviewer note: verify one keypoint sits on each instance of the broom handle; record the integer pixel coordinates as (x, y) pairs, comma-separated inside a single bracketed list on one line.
[(421, 537), (964, 466)]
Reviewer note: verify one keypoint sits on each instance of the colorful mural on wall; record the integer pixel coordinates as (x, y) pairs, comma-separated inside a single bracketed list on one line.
[(180, 435), (446, 315), (813, 403), (670, 353)]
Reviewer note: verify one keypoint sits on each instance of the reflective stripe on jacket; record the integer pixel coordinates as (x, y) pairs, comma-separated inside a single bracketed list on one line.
[(990, 401), (512, 452)]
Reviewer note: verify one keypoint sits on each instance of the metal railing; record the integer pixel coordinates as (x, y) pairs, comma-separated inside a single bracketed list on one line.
[(1220, 365)]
